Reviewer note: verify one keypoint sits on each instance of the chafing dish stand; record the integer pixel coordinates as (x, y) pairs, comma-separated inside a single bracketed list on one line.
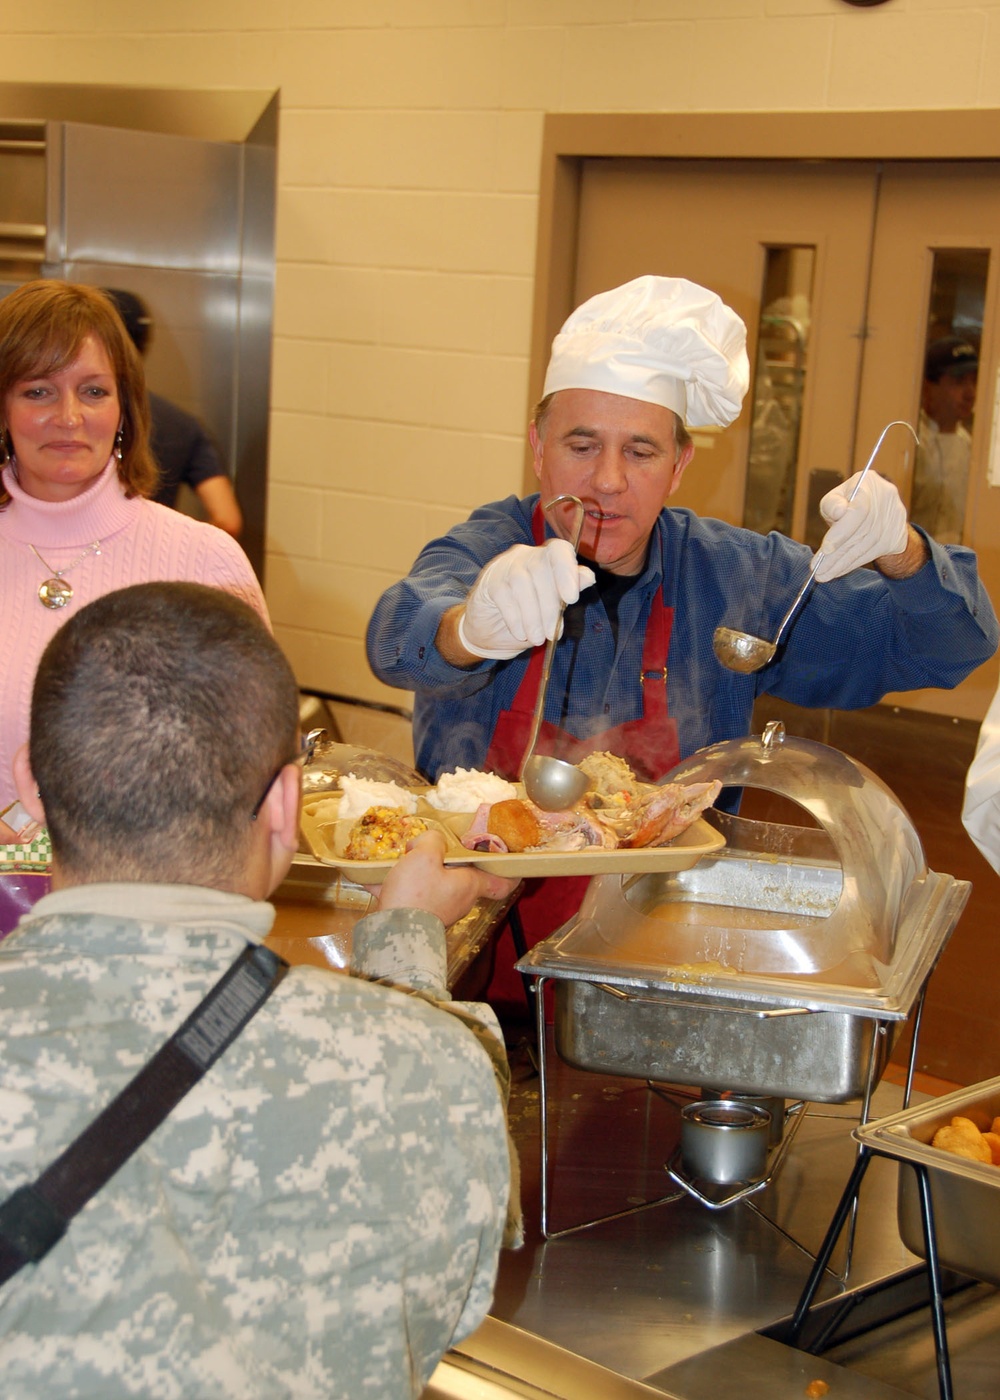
[(958, 1241), (719, 1198), (847, 1206)]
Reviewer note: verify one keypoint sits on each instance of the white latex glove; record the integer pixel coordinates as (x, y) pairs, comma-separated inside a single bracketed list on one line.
[(516, 601), (871, 525)]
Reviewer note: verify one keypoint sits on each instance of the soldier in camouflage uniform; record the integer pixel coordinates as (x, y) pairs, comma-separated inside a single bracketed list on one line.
[(321, 1214)]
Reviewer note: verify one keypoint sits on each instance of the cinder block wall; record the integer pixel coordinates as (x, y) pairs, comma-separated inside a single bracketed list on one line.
[(408, 175)]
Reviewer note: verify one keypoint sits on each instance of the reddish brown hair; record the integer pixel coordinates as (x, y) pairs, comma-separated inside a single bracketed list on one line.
[(42, 327)]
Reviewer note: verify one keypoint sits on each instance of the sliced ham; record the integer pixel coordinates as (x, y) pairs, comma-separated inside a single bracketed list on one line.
[(477, 838)]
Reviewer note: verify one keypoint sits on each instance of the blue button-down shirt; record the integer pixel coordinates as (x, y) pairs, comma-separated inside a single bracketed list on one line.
[(854, 640)]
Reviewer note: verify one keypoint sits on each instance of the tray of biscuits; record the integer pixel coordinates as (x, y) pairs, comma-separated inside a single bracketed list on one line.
[(956, 1137)]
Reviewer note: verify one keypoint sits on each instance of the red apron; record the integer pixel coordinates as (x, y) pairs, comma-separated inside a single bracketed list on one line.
[(648, 744)]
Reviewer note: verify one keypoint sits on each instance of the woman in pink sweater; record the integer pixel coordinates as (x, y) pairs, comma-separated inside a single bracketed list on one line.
[(75, 521)]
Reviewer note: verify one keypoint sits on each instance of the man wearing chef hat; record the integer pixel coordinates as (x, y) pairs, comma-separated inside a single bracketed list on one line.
[(635, 673), (631, 370)]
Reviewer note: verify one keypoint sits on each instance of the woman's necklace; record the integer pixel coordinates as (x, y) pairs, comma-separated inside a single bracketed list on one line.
[(54, 593)]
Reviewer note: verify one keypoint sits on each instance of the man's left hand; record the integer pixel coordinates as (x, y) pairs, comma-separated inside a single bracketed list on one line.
[(870, 527), (421, 880)]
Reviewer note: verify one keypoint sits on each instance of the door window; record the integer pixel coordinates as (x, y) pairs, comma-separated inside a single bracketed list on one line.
[(779, 386), (940, 492)]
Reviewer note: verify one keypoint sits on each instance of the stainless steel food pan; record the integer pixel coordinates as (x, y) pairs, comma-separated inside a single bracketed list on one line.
[(774, 1036), (965, 1194), (781, 1052)]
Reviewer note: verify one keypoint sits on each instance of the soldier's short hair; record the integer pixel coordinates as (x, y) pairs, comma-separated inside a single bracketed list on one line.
[(158, 714)]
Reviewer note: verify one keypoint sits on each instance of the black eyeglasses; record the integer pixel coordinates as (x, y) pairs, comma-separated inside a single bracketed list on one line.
[(304, 756)]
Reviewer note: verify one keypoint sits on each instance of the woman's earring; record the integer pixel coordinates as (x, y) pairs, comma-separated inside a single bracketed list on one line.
[(119, 439)]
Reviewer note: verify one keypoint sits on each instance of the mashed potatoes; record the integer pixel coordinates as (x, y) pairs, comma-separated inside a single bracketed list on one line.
[(360, 794), (467, 788)]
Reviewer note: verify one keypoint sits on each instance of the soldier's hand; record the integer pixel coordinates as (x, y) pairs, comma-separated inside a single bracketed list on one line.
[(421, 880)]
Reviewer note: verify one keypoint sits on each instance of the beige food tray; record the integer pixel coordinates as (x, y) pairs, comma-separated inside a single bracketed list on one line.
[(327, 839)]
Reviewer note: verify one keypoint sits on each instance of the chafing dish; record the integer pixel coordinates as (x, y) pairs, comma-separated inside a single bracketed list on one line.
[(317, 910), (330, 758), (785, 964)]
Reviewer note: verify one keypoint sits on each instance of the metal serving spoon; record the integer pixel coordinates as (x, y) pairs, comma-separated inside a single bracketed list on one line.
[(742, 651), (552, 783)]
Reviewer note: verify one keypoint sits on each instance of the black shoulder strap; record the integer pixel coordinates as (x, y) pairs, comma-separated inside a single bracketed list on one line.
[(36, 1215)]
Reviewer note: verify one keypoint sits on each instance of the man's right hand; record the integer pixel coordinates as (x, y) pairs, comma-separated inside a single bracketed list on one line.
[(517, 600), (870, 527), (421, 880)]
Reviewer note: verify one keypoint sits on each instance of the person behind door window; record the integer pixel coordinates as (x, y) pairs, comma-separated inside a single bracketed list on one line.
[(941, 469), (630, 372), (184, 450), (75, 521), (322, 1213)]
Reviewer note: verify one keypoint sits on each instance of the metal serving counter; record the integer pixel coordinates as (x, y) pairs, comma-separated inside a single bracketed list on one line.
[(690, 1301), (499, 1360)]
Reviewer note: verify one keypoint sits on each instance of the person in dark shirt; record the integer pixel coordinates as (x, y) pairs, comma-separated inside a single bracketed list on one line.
[(184, 451)]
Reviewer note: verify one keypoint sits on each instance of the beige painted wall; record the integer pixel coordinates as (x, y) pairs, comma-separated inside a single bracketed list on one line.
[(408, 174)]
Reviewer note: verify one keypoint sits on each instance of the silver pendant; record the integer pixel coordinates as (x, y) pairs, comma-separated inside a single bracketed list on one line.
[(54, 593)]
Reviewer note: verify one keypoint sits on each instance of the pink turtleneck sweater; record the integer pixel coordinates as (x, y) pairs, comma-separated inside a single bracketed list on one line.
[(141, 542)]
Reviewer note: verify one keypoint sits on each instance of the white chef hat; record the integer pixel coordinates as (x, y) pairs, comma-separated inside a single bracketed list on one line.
[(659, 339)]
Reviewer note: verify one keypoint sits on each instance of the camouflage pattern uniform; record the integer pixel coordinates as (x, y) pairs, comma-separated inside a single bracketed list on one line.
[(320, 1216)]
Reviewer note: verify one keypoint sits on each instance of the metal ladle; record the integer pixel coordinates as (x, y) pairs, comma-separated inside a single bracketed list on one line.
[(552, 783), (742, 651)]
